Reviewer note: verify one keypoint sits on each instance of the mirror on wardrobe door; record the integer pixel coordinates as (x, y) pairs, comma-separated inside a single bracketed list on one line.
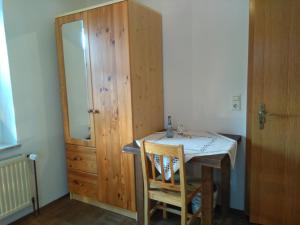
[(76, 73)]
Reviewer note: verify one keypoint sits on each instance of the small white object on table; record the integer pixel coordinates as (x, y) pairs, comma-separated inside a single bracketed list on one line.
[(195, 144)]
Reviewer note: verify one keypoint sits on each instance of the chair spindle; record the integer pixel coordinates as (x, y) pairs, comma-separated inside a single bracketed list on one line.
[(153, 166), (172, 170), (161, 161)]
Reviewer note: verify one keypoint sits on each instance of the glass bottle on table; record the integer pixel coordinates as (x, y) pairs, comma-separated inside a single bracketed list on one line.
[(170, 132)]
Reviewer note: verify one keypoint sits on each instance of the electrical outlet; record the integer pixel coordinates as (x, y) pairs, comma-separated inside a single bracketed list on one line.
[(236, 103)]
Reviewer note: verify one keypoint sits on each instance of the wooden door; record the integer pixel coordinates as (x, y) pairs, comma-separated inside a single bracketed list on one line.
[(274, 80), (109, 50), (75, 79)]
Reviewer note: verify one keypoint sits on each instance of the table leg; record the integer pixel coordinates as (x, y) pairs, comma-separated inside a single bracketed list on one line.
[(139, 187), (225, 185), (207, 196)]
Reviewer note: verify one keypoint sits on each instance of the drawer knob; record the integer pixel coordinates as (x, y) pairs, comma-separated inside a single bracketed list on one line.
[(77, 158), (78, 183)]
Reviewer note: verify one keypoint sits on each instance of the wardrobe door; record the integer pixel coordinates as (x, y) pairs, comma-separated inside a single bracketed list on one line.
[(75, 79), (109, 51)]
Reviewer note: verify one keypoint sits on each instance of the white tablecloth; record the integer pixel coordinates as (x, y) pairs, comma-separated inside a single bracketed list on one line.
[(195, 144)]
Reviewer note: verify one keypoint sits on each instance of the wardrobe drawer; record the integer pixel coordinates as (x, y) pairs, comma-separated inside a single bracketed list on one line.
[(81, 159), (83, 184)]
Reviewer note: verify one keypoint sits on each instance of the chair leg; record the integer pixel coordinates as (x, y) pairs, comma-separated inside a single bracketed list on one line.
[(165, 216), (184, 215), (146, 211)]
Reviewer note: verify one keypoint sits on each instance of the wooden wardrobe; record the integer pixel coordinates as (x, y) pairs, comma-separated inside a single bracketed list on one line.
[(110, 66)]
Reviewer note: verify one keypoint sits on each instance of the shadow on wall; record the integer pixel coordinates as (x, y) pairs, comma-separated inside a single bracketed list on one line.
[(1, 132), (6, 136)]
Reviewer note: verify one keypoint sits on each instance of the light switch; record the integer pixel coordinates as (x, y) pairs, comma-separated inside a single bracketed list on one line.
[(236, 103)]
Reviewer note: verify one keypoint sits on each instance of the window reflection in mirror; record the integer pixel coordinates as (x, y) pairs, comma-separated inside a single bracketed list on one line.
[(76, 79)]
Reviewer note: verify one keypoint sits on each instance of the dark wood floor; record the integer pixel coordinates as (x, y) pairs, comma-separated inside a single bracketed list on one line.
[(71, 212)]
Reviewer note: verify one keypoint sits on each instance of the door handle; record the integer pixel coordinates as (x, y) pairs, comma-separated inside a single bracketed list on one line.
[(94, 111), (282, 116), (262, 116)]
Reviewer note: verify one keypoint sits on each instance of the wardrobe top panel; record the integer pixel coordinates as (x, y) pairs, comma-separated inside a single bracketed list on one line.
[(91, 7)]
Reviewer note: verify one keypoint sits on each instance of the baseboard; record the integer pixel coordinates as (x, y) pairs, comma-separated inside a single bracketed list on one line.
[(231, 210), (124, 212), (23, 213), (238, 212)]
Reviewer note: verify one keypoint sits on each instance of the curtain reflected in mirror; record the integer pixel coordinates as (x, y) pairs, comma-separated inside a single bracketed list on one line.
[(76, 79)]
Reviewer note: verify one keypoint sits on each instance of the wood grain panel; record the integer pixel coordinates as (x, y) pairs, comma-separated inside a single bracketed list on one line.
[(273, 152), (145, 34), (292, 171), (267, 151), (83, 184), (81, 159), (125, 62), (59, 22), (108, 38)]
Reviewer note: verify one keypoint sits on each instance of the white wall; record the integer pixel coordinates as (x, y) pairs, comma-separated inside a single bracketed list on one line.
[(32, 54), (205, 64)]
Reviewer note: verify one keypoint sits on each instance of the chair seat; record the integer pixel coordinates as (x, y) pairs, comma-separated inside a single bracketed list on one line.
[(173, 197)]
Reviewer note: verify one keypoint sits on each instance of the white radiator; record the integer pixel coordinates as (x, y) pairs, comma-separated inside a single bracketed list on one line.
[(15, 185)]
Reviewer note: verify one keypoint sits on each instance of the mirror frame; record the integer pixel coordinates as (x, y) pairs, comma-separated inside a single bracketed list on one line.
[(59, 22)]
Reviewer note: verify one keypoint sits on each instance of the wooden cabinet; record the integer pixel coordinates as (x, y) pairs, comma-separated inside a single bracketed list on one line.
[(82, 159), (110, 64), (84, 184)]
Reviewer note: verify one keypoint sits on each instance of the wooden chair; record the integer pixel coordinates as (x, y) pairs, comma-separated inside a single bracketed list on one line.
[(174, 192)]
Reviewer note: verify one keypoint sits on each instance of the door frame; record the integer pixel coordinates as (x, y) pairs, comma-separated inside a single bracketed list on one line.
[(249, 102)]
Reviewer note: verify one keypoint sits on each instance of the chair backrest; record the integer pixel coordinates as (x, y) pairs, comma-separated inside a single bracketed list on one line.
[(151, 152)]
